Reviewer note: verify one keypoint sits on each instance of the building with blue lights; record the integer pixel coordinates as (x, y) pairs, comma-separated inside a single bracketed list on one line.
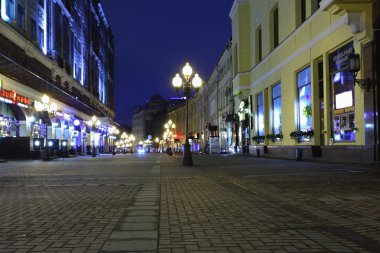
[(64, 49)]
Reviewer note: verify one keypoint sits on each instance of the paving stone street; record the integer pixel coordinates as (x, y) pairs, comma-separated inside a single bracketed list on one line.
[(224, 203)]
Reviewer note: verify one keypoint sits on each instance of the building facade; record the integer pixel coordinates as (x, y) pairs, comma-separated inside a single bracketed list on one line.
[(148, 120), (211, 109), (63, 49), (177, 114), (293, 88)]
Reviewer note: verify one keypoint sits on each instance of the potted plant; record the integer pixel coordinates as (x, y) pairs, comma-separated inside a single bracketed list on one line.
[(299, 135), (271, 137), (274, 137), (258, 139)]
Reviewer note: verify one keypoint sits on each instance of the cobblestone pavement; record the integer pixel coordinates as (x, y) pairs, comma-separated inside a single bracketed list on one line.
[(66, 206), (246, 204), (152, 203)]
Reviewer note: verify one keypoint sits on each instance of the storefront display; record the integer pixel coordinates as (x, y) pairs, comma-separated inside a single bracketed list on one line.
[(9, 127), (343, 96)]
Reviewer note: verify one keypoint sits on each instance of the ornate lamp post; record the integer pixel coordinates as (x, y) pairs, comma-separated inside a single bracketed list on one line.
[(94, 123), (132, 139), (124, 139), (187, 81), (168, 130), (113, 131), (46, 108)]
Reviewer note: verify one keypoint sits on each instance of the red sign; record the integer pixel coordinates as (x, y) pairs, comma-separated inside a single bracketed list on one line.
[(14, 97)]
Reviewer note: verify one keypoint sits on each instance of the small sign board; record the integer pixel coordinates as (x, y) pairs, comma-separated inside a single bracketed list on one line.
[(214, 145)]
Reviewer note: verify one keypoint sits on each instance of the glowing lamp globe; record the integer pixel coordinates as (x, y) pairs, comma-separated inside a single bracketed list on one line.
[(177, 81), (197, 81), (45, 99), (187, 71)]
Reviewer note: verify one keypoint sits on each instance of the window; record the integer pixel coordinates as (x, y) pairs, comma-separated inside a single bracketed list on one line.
[(10, 9), (20, 17), (275, 28), (304, 100), (33, 29), (41, 37), (315, 5), (251, 111), (77, 44), (235, 60), (343, 113), (321, 100), (41, 3), (259, 46), (276, 104), (303, 11), (343, 96), (260, 114)]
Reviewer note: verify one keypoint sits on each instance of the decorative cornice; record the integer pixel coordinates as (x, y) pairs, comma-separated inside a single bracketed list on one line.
[(235, 5), (325, 4)]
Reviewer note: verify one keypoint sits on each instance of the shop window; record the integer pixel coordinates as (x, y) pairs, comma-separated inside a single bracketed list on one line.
[(9, 127), (343, 96), (304, 100), (343, 113), (260, 114), (276, 104)]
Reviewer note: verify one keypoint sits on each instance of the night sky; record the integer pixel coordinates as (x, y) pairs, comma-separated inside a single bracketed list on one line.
[(154, 39)]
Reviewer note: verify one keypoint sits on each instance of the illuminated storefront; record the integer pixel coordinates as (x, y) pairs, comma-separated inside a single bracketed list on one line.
[(314, 90)]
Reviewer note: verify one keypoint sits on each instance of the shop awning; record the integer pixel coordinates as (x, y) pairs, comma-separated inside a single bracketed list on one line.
[(19, 73)]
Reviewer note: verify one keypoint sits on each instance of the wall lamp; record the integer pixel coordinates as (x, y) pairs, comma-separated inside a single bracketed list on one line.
[(354, 68)]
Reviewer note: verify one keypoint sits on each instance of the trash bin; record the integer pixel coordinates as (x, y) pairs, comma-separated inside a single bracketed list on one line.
[(298, 154)]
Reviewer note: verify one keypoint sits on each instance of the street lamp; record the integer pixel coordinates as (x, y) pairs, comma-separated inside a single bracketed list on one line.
[(46, 108), (124, 138), (132, 139), (186, 83), (113, 131), (168, 131), (94, 123)]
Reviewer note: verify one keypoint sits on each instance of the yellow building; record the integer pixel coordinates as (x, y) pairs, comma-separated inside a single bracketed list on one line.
[(293, 89), (177, 113)]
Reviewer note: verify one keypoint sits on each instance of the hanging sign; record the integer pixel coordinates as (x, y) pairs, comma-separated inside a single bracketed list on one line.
[(339, 58)]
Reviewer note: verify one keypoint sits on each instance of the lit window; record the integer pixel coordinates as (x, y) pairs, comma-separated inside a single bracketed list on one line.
[(304, 100), (41, 37), (343, 97), (276, 103), (10, 9), (260, 114)]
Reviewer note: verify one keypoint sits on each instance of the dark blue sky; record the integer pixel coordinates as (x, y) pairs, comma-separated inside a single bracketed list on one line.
[(154, 39)]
